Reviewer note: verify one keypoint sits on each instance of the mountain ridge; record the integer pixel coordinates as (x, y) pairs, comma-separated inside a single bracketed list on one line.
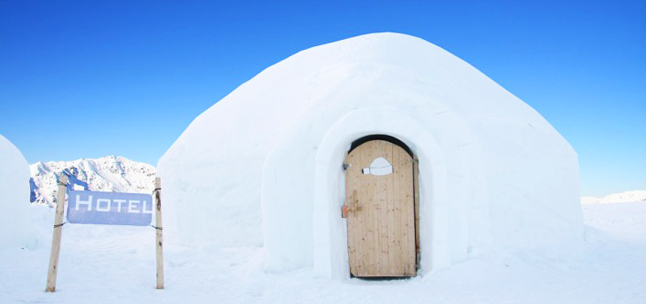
[(109, 173)]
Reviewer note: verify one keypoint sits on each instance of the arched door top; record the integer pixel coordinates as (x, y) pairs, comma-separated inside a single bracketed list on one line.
[(383, 137)]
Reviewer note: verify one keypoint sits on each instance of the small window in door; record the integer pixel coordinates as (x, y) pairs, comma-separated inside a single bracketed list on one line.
[(380, 166)]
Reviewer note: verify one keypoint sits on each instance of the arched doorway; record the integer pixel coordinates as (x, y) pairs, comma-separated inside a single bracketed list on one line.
[(380, 208)]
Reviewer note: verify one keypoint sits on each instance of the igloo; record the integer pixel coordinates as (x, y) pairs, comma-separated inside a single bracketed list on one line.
[(14, 190), (384, 147)]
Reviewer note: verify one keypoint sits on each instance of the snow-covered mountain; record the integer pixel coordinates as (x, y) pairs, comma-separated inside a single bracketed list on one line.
[(110, 173), (623, 197)]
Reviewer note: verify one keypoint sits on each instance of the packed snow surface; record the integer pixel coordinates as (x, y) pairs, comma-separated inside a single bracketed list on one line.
[(109, 174), (263, 166), (113, 264)]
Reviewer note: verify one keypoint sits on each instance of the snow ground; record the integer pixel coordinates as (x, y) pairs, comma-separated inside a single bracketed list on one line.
[(113, 264)]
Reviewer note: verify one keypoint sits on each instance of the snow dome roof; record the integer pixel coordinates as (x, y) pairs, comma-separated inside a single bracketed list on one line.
[(250, 170), (349, 74)]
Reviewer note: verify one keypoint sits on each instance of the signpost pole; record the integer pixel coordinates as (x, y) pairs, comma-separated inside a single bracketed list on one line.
[(158, 228), (58, 230)]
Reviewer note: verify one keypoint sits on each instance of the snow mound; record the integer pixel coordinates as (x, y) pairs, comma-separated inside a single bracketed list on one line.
[(109, 174), (17, 230), (263, 166), (623, 197)]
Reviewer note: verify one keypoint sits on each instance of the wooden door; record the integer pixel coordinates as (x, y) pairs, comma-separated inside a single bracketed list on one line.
[(380, 211)]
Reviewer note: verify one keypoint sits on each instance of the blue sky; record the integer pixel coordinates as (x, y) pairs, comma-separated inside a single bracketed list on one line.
[(95, 78)]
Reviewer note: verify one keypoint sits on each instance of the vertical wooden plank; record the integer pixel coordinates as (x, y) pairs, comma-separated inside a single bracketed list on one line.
[(376, 193), (416, 193), (159, 236), (380, 192), (407, 212), (369, 207), (392, 250), (57, 234)]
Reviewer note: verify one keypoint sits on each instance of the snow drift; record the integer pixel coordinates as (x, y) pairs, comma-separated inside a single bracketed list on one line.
[(14, 189), (263, 166), (623, 197)]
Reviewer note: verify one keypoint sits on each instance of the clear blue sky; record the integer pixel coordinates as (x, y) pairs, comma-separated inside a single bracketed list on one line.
[(95, 78)]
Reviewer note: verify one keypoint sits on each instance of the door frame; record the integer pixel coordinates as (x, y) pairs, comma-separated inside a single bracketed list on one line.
[(329, 256)]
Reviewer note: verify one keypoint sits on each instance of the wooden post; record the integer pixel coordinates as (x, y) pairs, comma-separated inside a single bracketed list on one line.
[(58, 230), (158, 228)]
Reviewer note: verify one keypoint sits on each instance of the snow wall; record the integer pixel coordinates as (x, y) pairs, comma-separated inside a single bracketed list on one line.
[(14, 190), (263, 166)]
